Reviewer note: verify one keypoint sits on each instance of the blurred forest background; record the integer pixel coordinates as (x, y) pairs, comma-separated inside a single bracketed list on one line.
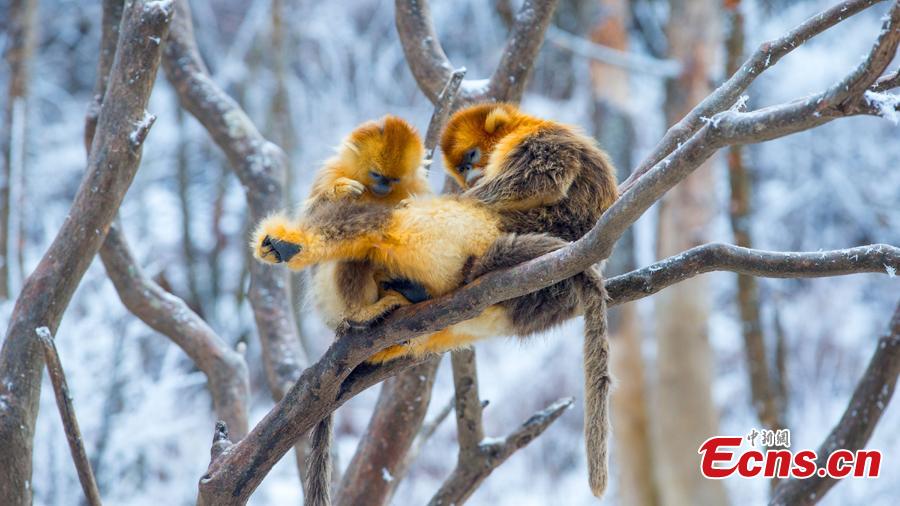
[(307, 72)]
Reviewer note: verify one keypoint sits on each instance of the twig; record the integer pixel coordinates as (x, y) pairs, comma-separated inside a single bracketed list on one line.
[(478, 462), (69, 420), (425, 432), (112, 165), (442, 110), (868, 403)]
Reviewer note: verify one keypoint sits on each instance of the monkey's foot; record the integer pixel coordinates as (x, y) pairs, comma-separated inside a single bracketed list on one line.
[(346, 187), (390, 353), (373, 314)]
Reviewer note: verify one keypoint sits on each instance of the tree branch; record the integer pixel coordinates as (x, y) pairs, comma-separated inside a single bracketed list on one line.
[(225, 369), (261, 167), (870, 398), (69, 420), (766, 55), (431, 67), (768, 264), (114, 159), (330, 381), (476, 463)]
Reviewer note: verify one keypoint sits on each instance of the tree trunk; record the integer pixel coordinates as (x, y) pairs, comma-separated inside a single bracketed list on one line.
[(20, 46), (685, 414)]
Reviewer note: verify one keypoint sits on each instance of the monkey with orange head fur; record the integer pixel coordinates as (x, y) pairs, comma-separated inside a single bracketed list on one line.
[(380, 162), (541, 176)]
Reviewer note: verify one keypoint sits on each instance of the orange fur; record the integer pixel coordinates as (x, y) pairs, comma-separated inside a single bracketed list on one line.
[(390, 147)]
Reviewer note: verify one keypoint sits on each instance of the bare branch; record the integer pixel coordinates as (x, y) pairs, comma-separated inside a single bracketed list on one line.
[(469, 426), (766, 55), (768, 264), (475, 465), (261, 167), (522, 47), (633, 62), (431, 67), (225, 369), (442, 110), (47, 292), (69, 420), (870, 398)]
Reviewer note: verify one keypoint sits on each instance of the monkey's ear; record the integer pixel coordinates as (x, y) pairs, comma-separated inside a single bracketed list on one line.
[(496, 119)]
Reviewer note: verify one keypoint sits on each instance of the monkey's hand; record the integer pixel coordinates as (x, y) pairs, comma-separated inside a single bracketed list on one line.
[(344, 187), (272, 241)]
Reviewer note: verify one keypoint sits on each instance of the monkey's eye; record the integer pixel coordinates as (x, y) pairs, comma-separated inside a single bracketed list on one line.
[(472, 156)]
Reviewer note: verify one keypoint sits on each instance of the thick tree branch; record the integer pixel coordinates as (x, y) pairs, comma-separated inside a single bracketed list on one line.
[(225, 369), (261, 167), (766, 55), (870, 398), (476, 463), (69, 420), (768, 264), (115, 155), (431, 67), (331, 380)]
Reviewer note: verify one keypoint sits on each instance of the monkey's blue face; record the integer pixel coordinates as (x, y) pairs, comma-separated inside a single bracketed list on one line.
[(380, 184), (468, 166)]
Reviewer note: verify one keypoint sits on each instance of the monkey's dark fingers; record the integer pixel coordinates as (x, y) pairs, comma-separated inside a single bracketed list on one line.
[(368, 324), (283, 251)]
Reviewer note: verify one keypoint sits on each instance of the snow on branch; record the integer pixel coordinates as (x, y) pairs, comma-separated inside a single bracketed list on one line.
[(869, 400), (476, 463)]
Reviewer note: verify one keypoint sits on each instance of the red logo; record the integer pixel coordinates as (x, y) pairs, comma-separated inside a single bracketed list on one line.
[(721, 458)]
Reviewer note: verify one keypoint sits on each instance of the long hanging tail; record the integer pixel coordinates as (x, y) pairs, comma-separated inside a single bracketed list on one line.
[(596, 379), (318, 465)]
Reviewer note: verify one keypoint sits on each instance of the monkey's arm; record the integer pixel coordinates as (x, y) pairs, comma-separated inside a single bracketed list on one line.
[(536, 172)]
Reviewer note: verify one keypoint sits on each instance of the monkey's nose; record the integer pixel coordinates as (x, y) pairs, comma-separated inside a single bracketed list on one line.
[(284, 251)]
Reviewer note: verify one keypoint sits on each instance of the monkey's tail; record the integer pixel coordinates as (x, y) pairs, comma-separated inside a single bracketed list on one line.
[(596, 379), (318, 465)]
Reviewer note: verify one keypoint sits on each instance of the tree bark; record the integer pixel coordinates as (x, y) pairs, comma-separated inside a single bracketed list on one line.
[(685, 414), (122, 126), (20, 47)]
